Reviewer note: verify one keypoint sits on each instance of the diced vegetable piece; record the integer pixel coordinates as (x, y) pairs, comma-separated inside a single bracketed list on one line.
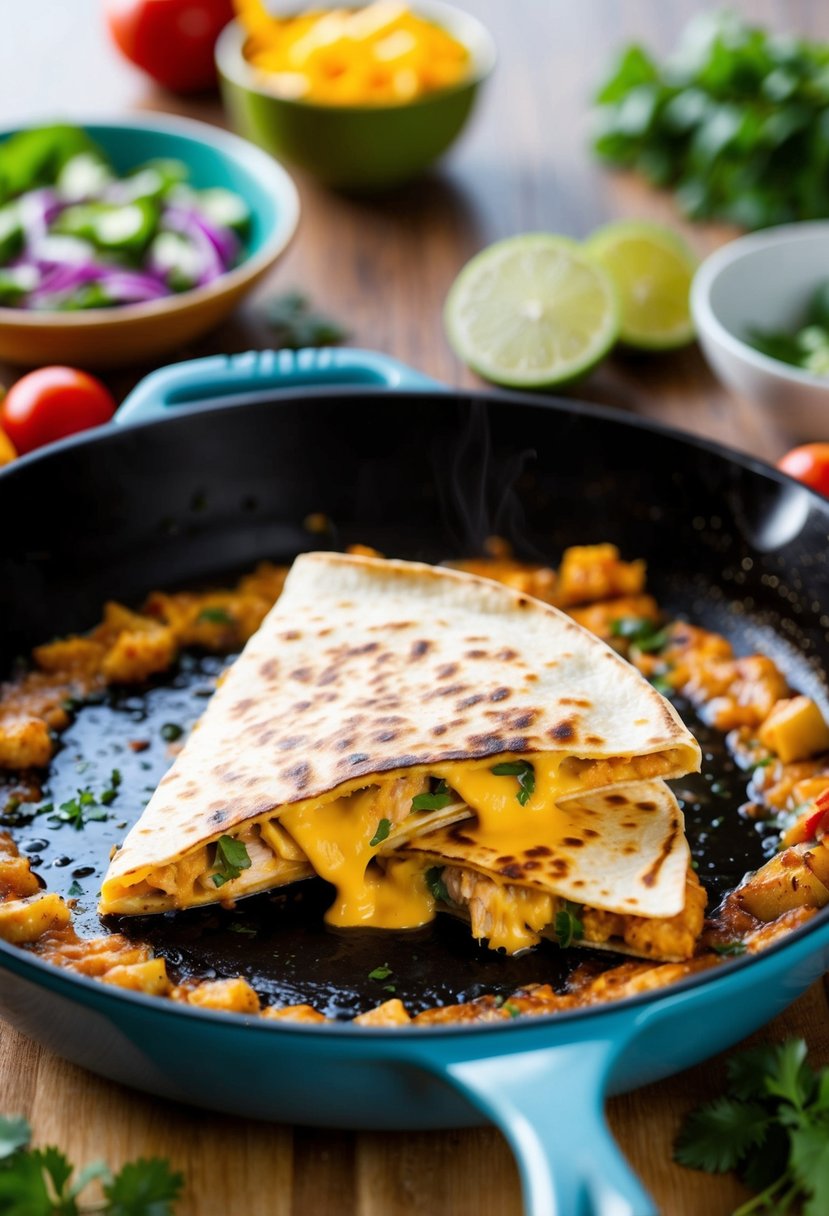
[(84, 176), (36, 156), (16, 282), (224, 208), (795, 730), (110, 226), (176, 259), (27, 919), (11, 231), (153, 180), (787, 881)]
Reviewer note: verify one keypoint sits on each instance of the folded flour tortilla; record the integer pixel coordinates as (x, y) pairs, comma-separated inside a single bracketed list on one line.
[(379, 702)]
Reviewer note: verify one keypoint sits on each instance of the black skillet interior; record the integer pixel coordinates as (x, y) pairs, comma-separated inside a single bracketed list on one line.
[(198, 498)]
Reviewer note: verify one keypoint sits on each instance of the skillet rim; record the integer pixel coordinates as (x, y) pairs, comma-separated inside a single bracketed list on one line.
[(562, 405)]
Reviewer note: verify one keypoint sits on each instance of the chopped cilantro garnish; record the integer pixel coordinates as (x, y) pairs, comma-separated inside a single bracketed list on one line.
[(297, 325), (511, 1009), (568, 927), (75, 889), (43, 1181), (436, 885), (216, 616), (439, 798), (242, 929), (662, 684), (392, 988), (730, 949), (645, 635), (110, 794), (171, 731), (231, 858), (524, 771), (380, 973), (383, 829), (79, 811)]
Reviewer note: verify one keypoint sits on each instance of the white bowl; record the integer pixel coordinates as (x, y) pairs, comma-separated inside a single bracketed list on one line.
[(765, 281)]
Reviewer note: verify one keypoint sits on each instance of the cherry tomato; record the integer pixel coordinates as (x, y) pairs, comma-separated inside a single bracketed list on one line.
[(50, 404), (171, 40), (809, 464)]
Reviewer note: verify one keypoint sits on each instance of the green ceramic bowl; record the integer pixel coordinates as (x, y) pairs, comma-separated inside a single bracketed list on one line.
[(365, 147)]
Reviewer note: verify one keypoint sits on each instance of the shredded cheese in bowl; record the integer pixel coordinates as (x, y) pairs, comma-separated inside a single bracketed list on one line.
[(379, 54)]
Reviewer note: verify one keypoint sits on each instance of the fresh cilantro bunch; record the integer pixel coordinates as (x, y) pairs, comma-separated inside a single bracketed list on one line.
[(41, 1182), (771, 1127), (737, 121)]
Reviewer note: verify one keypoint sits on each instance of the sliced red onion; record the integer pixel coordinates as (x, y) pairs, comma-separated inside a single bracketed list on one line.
[(133, 286), (37, 210), (177, 219)]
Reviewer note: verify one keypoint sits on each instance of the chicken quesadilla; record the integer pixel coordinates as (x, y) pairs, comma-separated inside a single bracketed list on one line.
[(390, 715)]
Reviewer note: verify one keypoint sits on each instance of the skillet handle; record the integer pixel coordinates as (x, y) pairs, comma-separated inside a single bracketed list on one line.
[(260, 372), (549, 1104)]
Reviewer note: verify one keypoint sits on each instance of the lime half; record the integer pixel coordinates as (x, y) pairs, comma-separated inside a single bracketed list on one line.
[(532, 311), (652, 269)]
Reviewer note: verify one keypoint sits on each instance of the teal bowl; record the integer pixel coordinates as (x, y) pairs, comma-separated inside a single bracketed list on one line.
[(356, 147), (100, 338)]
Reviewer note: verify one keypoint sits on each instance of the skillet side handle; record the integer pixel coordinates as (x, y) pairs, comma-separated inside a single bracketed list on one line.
[(549, 1105), (228, 377)]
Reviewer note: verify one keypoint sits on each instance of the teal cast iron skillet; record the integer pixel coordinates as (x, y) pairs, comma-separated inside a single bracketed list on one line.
[(220, 462)]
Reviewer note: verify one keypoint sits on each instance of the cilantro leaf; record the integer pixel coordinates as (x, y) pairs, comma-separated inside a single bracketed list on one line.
[(216, 616), (383, 829), (75, 889), (295, 324), (55, 1164), (435, 801), (15, 1133), (380, 973), (435, 883), (171, 731), (524, 771), (147, 1187), (718, 1136), (645, 634), (809, 1162), (790, 1077), (730, 949), (567, 925), (747, 1072), (24, 1187), (231, 858), (79, 811)]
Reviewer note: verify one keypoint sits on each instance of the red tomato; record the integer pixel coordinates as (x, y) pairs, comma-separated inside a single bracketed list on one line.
[(809, 464), (170, 40), (50, 404)]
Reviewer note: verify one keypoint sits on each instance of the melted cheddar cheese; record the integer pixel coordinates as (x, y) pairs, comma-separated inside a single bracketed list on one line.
[(339, 835)]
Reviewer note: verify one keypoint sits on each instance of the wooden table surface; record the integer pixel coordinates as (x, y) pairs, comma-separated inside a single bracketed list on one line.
[(384, 266)]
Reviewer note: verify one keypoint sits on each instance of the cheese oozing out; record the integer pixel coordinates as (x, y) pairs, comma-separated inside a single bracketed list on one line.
[(349, 838)]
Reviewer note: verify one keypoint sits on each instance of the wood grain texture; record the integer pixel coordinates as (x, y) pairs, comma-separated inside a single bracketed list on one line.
[(384, 267)]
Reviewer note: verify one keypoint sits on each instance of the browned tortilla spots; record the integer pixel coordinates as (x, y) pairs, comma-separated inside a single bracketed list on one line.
[(446, 671), (370, 610), (562, 732)]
